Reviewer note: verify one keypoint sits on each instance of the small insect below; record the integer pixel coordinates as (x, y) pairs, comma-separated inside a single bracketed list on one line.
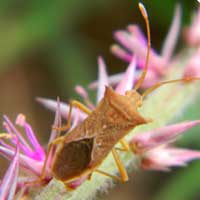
[(82, 150)]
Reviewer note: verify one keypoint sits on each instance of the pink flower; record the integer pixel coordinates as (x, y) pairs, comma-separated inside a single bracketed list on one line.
[(133, 43), (153, 147), (192, 68), (30, 154), (192, 33), (164, 157)]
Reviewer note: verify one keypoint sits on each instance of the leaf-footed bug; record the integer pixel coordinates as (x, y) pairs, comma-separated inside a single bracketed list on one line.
[(81, 151)]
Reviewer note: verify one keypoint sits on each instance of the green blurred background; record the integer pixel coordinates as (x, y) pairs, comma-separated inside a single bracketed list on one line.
[(47, 47)]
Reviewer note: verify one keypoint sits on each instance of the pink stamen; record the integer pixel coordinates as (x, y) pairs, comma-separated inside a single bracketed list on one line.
[(39, 152)]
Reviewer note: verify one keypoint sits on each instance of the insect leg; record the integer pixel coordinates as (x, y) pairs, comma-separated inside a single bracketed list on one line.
[(41, 178), (122, 170), (50, 147), (107, 174), (124, 144), (78, 105)]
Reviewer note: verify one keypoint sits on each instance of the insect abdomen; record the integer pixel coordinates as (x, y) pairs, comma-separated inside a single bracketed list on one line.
[(72, 159)]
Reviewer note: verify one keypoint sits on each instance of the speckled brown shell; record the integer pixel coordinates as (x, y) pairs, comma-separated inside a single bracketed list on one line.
[(88, 144)]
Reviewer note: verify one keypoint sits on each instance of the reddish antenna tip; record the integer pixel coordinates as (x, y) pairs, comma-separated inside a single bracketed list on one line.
[(143, 10)]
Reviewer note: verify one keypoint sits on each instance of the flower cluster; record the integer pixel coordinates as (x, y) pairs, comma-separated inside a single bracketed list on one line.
[(26, 153), (132, 43)]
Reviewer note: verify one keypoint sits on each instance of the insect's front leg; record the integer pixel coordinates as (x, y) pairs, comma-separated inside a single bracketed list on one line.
[(123, 174), (41, 178), (80, 106), (50, 148)]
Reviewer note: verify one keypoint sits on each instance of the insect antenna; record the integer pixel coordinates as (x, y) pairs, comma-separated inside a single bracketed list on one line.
[(146, 19), (157, 85), (143, 75)]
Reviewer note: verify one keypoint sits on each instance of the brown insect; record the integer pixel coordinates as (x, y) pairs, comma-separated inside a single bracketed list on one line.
[(81, 151)]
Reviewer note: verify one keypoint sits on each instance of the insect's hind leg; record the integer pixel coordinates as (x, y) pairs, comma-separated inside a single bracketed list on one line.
[(77, 104), (121, 168), (116, 178), (50, 147), (123, 174)]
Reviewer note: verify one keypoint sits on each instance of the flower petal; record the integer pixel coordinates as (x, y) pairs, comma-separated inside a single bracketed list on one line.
[(136, 32), (192, 34), (26, 162), (144, 141), (127, 81), (11, 129), (121, 53), (138, 47), (9, 182), (102, 79), (38, 153), (164, 157), (57, 123), (172, 36), (84, 94), (64, 108), (192, 68)]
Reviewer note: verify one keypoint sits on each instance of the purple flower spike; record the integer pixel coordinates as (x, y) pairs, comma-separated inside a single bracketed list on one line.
[(138, 49), (64, 107), (102, 79), (154, 150), (32, 155), (9, 182), (192, 68), (57, 123), (172, 36), (136, 32), (142, 142), (39, 153), (84, 94), (164, 157), (128, 79), (192, 33), (121, 53)]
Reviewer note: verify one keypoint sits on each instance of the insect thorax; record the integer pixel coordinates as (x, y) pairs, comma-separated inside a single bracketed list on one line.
[(88, 144), (117, 116)]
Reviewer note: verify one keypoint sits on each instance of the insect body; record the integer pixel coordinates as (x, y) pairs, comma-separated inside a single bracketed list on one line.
[(84, 148)]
